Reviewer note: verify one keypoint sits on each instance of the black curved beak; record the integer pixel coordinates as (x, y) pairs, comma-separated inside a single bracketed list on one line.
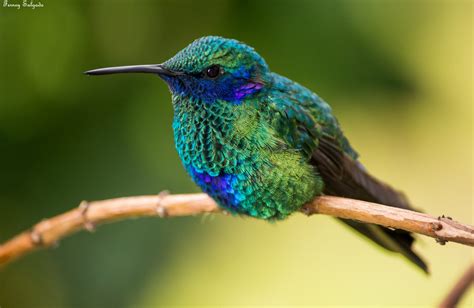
[(146, 68)]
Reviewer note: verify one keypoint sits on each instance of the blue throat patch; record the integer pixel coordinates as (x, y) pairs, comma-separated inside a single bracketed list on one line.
[(233, 88)]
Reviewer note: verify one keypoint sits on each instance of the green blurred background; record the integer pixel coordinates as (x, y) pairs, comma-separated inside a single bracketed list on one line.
[(398, 75)]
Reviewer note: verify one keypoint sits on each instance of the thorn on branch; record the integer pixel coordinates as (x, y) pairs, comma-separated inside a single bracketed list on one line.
[(36, 238), (160, 209), (309, 209), (438, 227), (446, 217), (88, 225)]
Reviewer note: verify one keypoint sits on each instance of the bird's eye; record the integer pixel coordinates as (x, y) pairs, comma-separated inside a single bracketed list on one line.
[(213, 71)]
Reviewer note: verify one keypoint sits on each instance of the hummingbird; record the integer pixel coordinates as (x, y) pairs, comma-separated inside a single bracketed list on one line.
[(261, 144)]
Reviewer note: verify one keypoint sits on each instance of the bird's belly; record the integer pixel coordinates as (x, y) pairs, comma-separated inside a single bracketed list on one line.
[(271, 187)]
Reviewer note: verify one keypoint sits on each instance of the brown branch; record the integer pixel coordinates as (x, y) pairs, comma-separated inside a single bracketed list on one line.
[(443, 229), (89, 214), (459, 289)]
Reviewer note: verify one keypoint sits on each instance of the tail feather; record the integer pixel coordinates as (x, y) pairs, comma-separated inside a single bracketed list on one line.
[(346, 177), (390, 240)]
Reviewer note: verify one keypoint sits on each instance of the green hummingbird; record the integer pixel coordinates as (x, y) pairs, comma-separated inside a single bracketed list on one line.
[(261, 144)]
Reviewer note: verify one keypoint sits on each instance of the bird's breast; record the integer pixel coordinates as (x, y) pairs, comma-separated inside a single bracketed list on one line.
[(233, 155), (219, 138)]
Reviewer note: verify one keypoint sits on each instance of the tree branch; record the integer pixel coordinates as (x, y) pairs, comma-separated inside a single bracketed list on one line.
[(460, 288), (90, 214)]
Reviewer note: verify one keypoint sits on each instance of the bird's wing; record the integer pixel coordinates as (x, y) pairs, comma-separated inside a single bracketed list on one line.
[(305, 122), (295, 125)]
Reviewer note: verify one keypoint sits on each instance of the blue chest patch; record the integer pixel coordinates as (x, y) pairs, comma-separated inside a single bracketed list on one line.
[(220, 187)]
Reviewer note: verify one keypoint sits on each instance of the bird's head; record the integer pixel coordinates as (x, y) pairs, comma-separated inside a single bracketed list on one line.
[(210, 68)]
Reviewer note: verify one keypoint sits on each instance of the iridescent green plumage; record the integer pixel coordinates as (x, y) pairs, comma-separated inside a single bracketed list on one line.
[(239, 141), (261, 144)]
